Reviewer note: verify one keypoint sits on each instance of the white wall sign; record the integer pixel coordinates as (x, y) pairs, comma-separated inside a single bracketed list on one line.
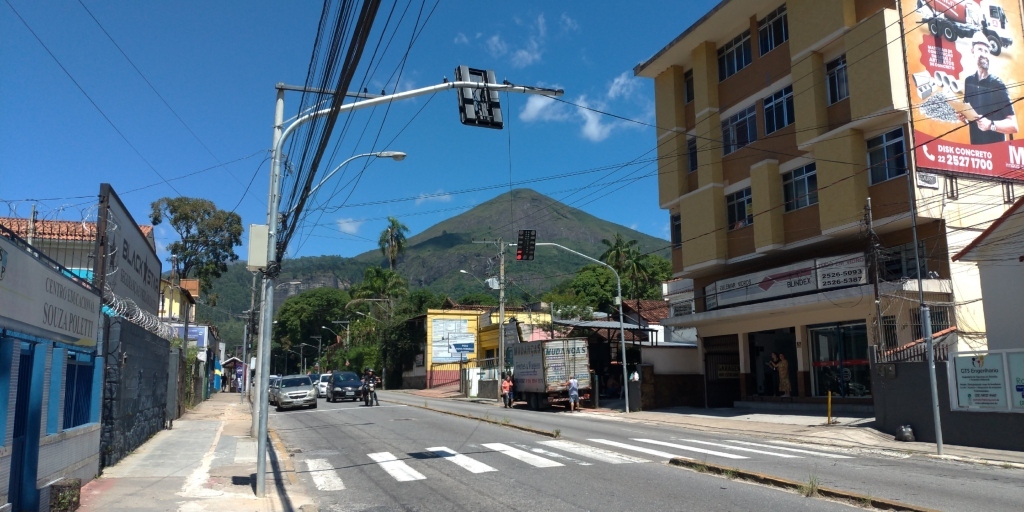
[(133, 268), (838, 271), (1016, 363), (440, 332), (980, 381), (39, 297), (795, 278)]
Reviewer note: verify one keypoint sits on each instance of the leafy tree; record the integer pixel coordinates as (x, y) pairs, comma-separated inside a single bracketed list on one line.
[(417, 303), (208, 236), (595, 285), (392, 241), (479, 299), (617, 251), (637, 274), (302, 317)]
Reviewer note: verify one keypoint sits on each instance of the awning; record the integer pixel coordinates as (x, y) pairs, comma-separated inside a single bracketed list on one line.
[(602, 324)]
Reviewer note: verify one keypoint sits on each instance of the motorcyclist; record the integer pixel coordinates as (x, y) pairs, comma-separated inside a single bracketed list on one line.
[(369, 376)]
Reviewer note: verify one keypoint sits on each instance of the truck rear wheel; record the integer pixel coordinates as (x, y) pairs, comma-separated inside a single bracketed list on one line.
[(949, 32), (933, 27), (534, 401), (995, 47)]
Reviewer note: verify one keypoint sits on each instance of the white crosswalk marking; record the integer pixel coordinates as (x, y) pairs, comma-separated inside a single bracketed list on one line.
[(794, 450), (527, 457), (554, 455), (692, 449), (324, 476), (471, 465), (648, 451), (398, 470), (751, 450), (593, 452)]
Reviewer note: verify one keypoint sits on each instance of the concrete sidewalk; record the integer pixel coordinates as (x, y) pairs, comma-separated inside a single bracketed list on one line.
[(206, 462), (854, 433)]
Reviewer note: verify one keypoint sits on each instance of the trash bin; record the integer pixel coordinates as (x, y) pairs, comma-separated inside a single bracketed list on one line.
[(633, 388)]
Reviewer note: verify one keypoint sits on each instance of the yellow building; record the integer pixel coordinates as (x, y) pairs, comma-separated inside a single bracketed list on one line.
[(175, 300), (777, 122)]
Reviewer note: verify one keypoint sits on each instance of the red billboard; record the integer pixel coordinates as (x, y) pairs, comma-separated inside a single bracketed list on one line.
[(966, 72)]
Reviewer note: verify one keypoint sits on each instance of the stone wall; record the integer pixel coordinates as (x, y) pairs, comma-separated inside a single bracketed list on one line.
[(134, 391), (905, 399)]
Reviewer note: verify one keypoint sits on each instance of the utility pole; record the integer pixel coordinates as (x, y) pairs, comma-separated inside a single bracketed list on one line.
[(501, 307), (873, 262)]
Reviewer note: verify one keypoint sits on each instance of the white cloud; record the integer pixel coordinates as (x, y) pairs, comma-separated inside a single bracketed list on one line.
[(632, 226), (593, 129), (496, 46), (622, 86), (569, 24), (542, 108), (531, 52), (461, 38), (440, 196), (349, 226)]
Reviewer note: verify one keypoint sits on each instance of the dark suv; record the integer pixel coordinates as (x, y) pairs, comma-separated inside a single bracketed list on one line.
[(344, 386)]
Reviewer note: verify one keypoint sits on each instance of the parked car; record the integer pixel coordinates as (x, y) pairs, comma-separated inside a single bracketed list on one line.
[(345, 386), (272, 390), (296, 391), (322, 384)]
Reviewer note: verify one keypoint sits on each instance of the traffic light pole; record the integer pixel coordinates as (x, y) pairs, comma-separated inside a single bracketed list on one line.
[(501, 307), (281, 135)]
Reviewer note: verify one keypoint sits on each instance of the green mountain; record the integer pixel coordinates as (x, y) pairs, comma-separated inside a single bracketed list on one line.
[(434, 257)]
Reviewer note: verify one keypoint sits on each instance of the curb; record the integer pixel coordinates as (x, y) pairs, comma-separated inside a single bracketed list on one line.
[(784, 483), (532, 430), (284, 458)]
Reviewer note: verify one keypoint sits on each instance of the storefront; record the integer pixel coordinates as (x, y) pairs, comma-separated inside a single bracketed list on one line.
[(839, 355)]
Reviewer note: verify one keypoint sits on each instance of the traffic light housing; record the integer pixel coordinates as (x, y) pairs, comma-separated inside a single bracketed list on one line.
[(478, 107), (526, 244)]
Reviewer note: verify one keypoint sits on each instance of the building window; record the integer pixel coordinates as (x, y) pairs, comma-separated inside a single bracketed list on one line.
[(952, 188), (896, 263), (778, 110), (677, 230), (940, 317), (691, 153), (885, 156), (688, 86), (1008, 196), (800, 187), (890, 334), (77, 390), (734, 56), (836, 73), (739, 210), (739, 130), (773, 30)]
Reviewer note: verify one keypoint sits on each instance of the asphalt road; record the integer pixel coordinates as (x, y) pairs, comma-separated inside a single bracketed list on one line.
[(397, 457)]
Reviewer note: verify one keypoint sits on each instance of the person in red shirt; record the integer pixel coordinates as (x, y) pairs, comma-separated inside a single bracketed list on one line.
[(506, 391)]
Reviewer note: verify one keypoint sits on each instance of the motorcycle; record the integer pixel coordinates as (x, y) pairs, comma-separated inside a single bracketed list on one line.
[(369, 393)]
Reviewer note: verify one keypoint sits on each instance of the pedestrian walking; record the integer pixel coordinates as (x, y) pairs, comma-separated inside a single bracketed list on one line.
[(784, 386), (506, 388), (574, 393)]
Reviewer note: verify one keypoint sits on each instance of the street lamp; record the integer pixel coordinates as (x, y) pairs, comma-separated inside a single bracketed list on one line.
[(397, 156), (348, 332), (489, 283)]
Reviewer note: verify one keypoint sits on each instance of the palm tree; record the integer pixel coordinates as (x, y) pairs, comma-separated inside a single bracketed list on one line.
[(392, 241), (617, 252), (638, 273)]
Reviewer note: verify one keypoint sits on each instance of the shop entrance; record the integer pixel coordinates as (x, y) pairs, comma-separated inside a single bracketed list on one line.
[(840, 355), (768, 381), (722, 370)]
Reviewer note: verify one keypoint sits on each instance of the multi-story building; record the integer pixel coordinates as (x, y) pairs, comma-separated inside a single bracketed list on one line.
[(777, 124)]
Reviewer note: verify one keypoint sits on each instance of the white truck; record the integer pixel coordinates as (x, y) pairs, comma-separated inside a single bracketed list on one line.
[(541, 370)]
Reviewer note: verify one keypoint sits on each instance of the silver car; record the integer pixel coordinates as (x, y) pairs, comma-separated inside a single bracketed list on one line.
[(272, 389), (296, 391)]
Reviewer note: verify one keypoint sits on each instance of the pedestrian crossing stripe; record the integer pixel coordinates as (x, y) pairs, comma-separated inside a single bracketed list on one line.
[(692, 449), (323, 475), (737, 448), (641, 449), (552, 454), (527, 457), (398, 470), (794, 450), (467, 463), (593, 452)]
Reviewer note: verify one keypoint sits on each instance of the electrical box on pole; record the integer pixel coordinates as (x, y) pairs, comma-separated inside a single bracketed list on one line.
[(478, 107), (526, 245)]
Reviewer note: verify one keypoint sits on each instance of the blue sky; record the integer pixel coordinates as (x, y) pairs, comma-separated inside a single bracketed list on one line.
[(215, 64)]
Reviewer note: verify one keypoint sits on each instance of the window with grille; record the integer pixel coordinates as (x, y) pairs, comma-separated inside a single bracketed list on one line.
[(691, 154), (890, 334), (886, 156), (773, 30), (941, 317), (688, 86), (896, 263), (78, 389), (738, 209), (1008, 195), (800, 187), (778, 110), (734, 56), (739, 130), (835, 71)]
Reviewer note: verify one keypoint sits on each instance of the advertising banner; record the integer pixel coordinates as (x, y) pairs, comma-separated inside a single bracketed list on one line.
[(129, 262), (980, 381), (440, 334), (796, 278), (197, 334), (965, 63), (45, 302), (1016, 363), (840, 271)]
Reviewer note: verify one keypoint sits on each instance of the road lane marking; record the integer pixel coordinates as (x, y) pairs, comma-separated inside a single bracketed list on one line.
[(692, 449), (465, 462), (795, 450), (398, 470), (641, 449), (783, 455), (324, 476), (340, 409), (527, 457), (593, 452), (554, 455)]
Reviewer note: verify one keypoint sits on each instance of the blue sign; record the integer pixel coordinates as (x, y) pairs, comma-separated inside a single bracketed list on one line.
[(462, 348), (196, 335)]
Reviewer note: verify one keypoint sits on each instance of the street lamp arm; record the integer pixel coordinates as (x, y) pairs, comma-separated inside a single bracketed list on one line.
[(397, 155), (622, 330)]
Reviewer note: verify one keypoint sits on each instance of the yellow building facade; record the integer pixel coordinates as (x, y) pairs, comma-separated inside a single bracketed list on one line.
[(777, 122)]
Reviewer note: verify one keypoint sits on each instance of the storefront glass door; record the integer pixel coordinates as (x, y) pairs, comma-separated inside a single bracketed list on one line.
[(840, 359)]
